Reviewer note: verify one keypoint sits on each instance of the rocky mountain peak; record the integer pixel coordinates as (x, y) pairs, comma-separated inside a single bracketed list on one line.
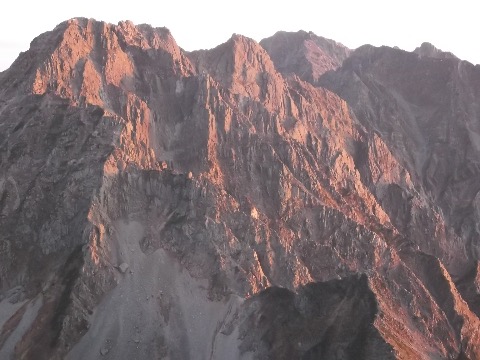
[(288, 199), (81, 59), (304, 53), (244, 67), (429, 50)]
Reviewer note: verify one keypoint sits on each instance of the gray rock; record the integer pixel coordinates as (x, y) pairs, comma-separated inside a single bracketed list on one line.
[(123, 267)]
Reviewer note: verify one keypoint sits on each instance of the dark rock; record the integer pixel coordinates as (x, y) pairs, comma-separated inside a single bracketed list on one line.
[(320, 223)]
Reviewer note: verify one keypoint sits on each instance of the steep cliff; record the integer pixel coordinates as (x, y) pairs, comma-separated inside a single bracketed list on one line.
[(305, 54), (221, 204), (425, 108)]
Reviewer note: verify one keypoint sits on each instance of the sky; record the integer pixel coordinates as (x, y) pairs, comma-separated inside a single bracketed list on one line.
[(449, 25)]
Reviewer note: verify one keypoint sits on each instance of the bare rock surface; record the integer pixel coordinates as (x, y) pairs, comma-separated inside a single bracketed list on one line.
[(290, 199), (429, 50), (429, 120), (305, 54)]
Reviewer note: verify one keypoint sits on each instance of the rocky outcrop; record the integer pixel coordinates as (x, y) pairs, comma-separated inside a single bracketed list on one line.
[(428, 50), (331, 320), (427, 119), (412, 103), (305, 54), (220, 204)]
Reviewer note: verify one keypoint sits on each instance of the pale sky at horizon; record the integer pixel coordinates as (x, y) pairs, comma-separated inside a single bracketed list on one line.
[(449, 26)]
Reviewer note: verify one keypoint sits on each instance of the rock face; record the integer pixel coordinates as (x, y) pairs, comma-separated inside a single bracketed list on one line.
[(287, 200), (429, 120), (428, 50), (305, 54)]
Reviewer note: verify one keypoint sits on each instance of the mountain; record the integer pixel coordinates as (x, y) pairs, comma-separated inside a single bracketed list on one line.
[(292, 199), (304, 54)]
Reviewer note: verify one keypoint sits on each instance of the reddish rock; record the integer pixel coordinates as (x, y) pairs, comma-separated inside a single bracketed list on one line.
[(319, 223), (304, 54)]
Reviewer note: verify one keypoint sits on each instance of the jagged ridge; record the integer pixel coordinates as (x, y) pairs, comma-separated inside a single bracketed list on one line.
[(164, 174)]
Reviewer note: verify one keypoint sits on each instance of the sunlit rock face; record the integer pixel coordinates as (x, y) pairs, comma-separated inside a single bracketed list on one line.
[(293, 199), (304, 54)]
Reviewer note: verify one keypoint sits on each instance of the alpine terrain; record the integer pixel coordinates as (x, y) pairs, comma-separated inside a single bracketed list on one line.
[(288, 199)]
